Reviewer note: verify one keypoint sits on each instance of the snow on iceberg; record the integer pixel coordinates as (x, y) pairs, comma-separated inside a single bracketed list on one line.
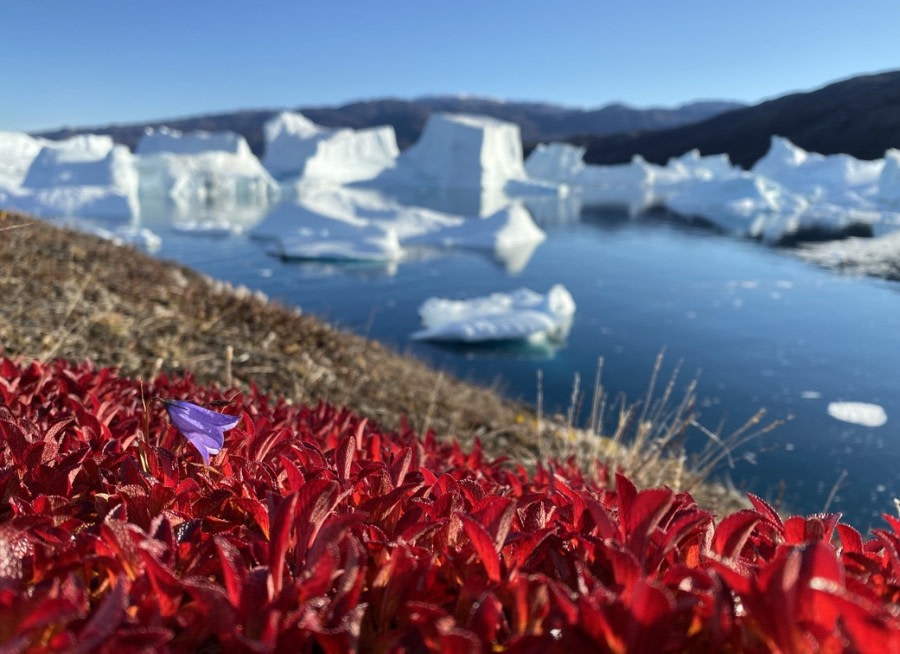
[(460, 151), (520, 315), (297, 147), (202, 169)]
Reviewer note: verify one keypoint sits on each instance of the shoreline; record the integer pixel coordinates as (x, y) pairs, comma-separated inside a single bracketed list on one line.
[(75, 296)]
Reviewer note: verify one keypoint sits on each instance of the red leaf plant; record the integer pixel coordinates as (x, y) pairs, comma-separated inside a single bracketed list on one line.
[(314, 530)]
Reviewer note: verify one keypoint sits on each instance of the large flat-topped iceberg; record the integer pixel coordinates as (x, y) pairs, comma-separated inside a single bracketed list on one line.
[(458, 151), (87, 160), (86, 176), (202, 169), (297, 147), (520, 315)]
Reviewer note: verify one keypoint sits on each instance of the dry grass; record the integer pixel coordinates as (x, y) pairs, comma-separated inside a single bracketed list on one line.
[(74, 296)]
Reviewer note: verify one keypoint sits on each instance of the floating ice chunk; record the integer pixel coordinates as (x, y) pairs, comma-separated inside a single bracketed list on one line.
[(520, 315), (858, 413), (295, 146)]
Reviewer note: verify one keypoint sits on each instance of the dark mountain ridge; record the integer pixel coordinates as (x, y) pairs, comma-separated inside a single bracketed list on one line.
[(859, 116), (539, 122)]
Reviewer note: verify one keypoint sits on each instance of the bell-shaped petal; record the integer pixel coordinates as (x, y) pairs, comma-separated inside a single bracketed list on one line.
[(205, 429)]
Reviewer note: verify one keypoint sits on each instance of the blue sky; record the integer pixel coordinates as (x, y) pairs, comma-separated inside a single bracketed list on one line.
[(97, 62)]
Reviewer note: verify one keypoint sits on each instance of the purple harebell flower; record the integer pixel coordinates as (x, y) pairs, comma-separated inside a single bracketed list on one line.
[(205, 429)]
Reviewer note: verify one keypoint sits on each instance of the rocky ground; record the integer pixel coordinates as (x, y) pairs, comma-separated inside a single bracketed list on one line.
[(75, 296)]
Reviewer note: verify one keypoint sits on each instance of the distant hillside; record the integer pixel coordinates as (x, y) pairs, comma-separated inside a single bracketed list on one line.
[(539, 122), (858, 116)]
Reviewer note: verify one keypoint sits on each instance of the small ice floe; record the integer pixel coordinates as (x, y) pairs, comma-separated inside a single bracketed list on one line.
[(810, 395), (520, 315), (858, 413)]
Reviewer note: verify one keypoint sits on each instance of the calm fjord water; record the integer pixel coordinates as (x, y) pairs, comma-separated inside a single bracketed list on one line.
[(762, 329)]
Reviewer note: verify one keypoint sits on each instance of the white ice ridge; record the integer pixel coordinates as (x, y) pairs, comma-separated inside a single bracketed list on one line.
[(520, 315), (348, 223), (297, 147), (202, 168), (858, 413), (789, 191)]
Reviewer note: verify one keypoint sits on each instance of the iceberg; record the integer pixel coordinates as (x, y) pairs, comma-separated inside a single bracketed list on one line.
[(297, 147), (520, 315), (202, 169), (460, 151), (85, 176)]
